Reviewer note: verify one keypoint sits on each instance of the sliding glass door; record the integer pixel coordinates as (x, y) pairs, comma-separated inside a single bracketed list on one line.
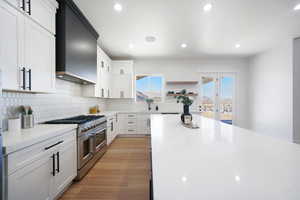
[(217, 96)]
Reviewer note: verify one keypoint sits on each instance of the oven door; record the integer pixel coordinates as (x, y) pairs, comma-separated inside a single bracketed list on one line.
[(100, 138), (85, 149)]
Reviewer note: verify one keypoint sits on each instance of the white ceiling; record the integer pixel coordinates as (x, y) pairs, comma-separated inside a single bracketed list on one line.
[(255, 24)]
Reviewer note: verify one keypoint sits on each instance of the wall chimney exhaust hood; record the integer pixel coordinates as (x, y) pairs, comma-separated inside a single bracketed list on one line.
[(76, 45)]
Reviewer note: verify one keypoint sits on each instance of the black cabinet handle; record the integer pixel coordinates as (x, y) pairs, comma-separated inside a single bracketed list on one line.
[(23, 70), (29, 73), (57, 157), (23, 5), (29, 7), (49, 147), (53, 164)]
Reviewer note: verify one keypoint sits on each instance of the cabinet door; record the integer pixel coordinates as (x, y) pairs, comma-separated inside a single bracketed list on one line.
[(40, 57), (122, 86), (43, 13), (11, 33), (66, 167), (33, 182)]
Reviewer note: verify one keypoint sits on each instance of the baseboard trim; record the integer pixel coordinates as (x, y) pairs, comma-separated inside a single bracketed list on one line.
[(132, 135)]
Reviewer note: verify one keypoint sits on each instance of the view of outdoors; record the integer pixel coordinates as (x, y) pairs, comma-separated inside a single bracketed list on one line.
[(224, 100), (149, 87)]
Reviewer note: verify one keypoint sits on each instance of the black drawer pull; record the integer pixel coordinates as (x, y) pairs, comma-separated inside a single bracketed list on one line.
[(53, 164), (49, 147), (57, 156)]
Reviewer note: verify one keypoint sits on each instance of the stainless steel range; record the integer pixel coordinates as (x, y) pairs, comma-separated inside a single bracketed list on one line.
[(91, 140)]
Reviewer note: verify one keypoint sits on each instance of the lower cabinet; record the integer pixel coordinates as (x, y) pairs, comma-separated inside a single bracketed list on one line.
[(42, 171), (112, 129), (134, 124)]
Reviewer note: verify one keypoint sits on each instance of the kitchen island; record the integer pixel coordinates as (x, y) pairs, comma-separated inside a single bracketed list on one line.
[(220, 162)]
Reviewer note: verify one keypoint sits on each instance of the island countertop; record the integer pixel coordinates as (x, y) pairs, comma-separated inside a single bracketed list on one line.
[(220, 162)]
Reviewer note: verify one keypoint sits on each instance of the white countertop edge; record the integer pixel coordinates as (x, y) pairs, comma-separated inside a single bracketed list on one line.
[(13, 142)]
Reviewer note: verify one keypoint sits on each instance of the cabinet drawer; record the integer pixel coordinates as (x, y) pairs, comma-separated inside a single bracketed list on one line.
[(20, 159), (129, 131), (128, 115)]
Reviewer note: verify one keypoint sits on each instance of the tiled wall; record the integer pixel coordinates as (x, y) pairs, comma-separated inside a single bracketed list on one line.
[(67, 101)]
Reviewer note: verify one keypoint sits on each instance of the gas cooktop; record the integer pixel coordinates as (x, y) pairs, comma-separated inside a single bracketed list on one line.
[(81, 119)]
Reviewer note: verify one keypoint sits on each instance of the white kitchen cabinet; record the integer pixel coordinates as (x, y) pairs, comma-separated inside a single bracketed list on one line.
[(122, 79), (27, 53), (68, 166), (39, 57), (122, 86), (41, 11), (134, 123), (102, 88), (111, 129), (33, 181), (123, 67), (42, 171), (11, 45), (144, 124)]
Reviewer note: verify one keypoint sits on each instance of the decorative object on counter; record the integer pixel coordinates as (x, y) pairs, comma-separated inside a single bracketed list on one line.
[(27, 117), (94, 110), (191, 125), (186, 117), (14, 125), (149, 102), (170, 92), (156, 108)]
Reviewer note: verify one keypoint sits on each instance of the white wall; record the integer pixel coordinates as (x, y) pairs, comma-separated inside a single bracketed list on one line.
[(296, 91), (270, 94), (190, 70)]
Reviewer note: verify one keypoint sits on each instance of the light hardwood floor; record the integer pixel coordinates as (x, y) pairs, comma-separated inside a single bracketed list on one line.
[(121, 174)]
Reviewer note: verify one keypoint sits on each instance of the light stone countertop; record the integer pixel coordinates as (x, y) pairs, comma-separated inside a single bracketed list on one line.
[(220, 162), (13, 142)]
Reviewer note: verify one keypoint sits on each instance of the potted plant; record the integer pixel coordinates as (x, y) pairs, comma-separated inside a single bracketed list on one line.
[(186, 117)]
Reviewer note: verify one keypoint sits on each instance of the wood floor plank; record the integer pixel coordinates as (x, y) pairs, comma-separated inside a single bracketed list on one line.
[(121, 174)]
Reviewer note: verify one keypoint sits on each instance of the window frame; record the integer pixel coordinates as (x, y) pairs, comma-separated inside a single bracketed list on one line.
[(162, 87)]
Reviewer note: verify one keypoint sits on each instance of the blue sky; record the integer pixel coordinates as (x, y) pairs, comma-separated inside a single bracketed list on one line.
[(149, 83), (226, 88), (154, 83)]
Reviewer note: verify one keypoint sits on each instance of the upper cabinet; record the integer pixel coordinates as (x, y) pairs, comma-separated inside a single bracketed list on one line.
[(41, 11), (122, 79), (102, 88), (27, 50)]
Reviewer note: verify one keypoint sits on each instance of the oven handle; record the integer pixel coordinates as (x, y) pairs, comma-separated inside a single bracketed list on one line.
[(95, 131)]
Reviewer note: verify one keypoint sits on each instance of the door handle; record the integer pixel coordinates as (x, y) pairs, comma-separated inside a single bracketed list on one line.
[(49, 147), (29, 77), (23, 5), (53, 164), (23, 70), (29, 7), (58, 166)]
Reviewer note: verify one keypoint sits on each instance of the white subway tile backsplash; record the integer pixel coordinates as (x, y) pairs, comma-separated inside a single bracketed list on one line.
[(67, 101)]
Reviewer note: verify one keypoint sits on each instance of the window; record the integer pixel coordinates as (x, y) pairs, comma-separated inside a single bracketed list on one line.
[(149, 86)]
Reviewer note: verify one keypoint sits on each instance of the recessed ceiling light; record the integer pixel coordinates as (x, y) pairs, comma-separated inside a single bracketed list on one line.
[(150, 39), (183, 45), (297, 7), (118, 7), (131, 46), (237, 46), (207, 7)]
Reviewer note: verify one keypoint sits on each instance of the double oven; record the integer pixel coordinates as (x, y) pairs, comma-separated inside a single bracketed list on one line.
[(91, 146), (91, 140)]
